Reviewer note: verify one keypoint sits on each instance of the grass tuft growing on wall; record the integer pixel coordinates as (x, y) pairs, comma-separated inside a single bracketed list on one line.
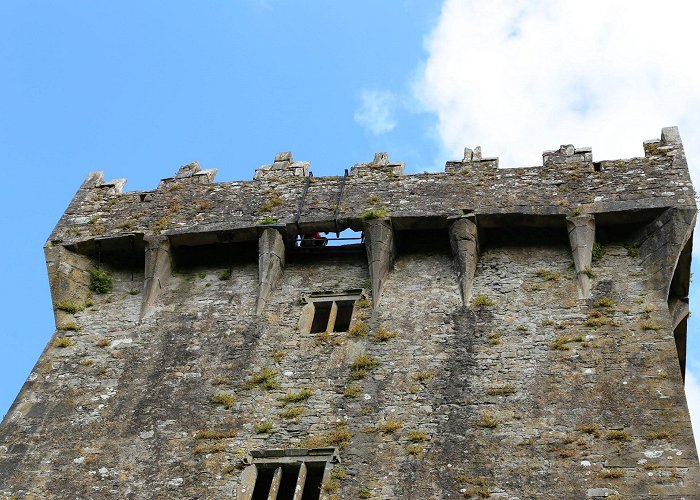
[(69, 307), (374, 213), (100, 281), (265, 378), (62, 342), (297, 397), (224, 398), (482, 300)]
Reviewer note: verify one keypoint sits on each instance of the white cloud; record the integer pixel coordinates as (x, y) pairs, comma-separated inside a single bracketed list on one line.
[(692, 394), (521, 77), (376, 111)]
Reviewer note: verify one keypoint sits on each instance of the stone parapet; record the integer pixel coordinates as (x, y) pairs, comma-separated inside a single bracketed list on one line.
[(282, 193)]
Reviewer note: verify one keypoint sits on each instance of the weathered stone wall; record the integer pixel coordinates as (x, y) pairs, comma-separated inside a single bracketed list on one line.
[(494, 374)]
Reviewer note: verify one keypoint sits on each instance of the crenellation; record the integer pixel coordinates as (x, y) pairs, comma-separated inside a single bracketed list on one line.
[(510, 333), (112, 187), (671, 136), (567, 154), (381, 165), (190, 173), (472, 160), (283, 167)]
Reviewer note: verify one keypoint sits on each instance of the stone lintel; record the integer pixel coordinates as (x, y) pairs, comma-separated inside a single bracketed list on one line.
[(465, 248), (581, 230), (271, 259), (381, 251), (158, 269)]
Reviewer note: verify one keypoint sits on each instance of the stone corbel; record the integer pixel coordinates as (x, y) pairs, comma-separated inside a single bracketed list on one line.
[(69, 279), (581, 230), (271, 257), (381, 252), (465, 248), (665, 250), (158, 269)]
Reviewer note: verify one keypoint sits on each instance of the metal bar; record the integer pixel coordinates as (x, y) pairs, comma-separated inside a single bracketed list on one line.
[(337, 203), (301, 203)]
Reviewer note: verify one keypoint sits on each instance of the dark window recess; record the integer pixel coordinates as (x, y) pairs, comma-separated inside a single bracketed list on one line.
[(288, 481), (322, 312), (423, 241), (314, 478), (188, 257), (263, 482), (343, 316), (283, 477)]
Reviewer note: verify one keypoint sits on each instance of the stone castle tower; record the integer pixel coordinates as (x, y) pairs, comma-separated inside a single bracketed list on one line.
[(490, 333)]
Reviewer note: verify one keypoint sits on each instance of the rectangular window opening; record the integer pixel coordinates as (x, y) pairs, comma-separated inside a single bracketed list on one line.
[(322, 313), (343, 315), (314, 479), (290, 475), (263, 483), (330, 311)]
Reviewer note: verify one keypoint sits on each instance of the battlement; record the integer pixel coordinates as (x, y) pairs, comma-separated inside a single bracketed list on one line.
[(285, 192)]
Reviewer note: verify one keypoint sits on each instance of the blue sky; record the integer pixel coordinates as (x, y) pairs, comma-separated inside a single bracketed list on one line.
[(137, 89)]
